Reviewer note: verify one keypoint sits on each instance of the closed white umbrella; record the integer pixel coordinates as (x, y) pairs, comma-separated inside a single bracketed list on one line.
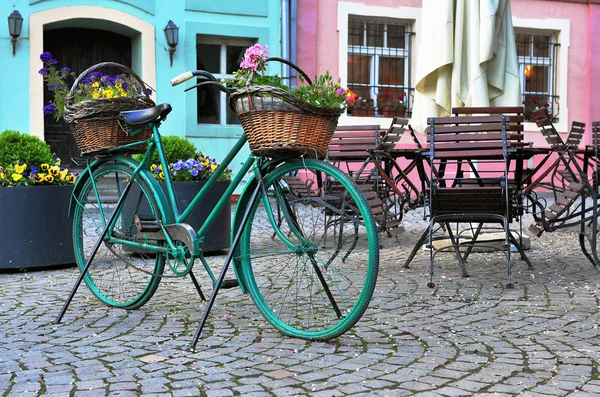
[(467, 57)]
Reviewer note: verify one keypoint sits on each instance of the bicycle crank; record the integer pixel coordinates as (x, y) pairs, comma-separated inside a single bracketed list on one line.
[(153, 229)]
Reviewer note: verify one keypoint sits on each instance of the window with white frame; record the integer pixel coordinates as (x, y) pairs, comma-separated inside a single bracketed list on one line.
[(379, 59), (221, 56), (537, 52)]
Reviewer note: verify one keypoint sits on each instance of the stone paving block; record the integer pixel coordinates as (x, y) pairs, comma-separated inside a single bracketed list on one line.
[(90, 384), (452, 391)]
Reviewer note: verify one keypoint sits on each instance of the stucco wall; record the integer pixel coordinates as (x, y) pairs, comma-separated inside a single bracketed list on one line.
[(319, 46), (21, 101)]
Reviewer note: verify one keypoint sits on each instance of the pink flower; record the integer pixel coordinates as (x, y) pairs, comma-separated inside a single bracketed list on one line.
[(340, 91), (254, 57)]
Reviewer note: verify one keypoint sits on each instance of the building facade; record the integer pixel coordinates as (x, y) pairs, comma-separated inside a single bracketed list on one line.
[(373, 47), (80, 33)]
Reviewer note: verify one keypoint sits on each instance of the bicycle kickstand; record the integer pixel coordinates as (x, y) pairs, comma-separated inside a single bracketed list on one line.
[(96, 247), (228, 259)]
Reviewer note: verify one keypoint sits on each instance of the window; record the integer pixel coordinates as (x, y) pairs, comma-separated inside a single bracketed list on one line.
[(379, 56), (538, 54), (220, 56)]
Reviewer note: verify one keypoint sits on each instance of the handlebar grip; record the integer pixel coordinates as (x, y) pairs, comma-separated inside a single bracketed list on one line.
[(182, 78)]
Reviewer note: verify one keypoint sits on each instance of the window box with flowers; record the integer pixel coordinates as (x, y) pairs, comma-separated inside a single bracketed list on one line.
[(189, 176), (359, 107), (531, 104), (35, 190), (392, 107)]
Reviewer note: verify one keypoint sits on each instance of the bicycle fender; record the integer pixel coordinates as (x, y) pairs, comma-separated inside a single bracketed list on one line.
[(146, 175)]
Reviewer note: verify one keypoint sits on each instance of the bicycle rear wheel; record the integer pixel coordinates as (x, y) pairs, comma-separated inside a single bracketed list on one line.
[(320, 287), (119, 275)]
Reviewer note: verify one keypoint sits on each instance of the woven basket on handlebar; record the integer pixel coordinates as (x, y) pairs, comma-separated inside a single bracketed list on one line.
[(96, 124), (277, 123)]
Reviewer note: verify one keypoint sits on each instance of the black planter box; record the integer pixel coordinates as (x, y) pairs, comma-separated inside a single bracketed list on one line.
[(35, 230)]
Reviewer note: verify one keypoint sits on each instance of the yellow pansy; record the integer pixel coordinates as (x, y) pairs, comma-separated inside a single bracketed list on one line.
[(107, 94), (96, 94), (161, 175), (40, 178), (44, 167), (2, 175), (54, 171), (49, 178), (17, 177), (213, 167), (71, 178), (20, 168), (118, 85), (63, 174), (152, 167), (96, 84)]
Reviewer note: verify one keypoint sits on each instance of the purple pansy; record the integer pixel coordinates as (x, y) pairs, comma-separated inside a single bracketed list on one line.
[(49, 108)]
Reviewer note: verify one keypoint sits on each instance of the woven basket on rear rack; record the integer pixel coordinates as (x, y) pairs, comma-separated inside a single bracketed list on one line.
[(96, 124), (277, 123)]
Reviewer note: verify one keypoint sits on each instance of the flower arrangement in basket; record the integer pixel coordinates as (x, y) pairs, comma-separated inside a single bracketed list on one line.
[(280, 120), (91, 106)]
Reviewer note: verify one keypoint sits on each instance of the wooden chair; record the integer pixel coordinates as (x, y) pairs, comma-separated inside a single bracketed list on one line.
[(564, 176), (464, 192), (361, 151)]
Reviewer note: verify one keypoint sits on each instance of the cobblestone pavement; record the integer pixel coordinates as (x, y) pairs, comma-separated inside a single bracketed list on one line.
[(468, 336)]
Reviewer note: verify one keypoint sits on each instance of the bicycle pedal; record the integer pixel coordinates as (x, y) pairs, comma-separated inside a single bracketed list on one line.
[(230, 283), (146, 224)]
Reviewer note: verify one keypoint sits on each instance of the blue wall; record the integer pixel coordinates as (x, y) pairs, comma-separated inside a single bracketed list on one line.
[(237, 18)]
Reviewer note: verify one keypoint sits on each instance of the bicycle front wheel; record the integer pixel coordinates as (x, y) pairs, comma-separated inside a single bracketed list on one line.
[(121, 274), (318, 283)]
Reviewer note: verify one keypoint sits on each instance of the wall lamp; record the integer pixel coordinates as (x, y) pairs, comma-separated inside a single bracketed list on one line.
[(172, 35), (15, 23)]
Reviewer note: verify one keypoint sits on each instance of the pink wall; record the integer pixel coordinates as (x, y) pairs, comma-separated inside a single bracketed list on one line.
[(593, 82), (318, 40)]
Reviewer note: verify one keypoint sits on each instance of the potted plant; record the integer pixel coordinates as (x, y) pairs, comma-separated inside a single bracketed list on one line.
[(530, 104), (189, 171), (35, 189), (392, 107), (361, 107)]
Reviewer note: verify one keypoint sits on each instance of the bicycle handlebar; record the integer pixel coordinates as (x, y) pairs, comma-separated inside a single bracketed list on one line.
[(182, 78)]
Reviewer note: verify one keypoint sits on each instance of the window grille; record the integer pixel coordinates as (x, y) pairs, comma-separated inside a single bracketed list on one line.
[(379, 73), (538, 54), (220, 56)]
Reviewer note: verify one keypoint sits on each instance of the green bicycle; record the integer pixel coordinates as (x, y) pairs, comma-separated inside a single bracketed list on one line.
[(304, 242)]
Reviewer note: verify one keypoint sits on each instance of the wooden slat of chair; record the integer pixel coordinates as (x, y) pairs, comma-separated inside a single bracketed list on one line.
[(576, 134), (352, 143), (544, 123), (395, 132)]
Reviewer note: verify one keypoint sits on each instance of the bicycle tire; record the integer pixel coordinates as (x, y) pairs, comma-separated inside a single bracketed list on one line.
[(119, 276), (284, 282)]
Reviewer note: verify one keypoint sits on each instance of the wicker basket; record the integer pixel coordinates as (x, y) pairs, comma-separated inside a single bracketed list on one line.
[(277, 123), (96, 124)]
